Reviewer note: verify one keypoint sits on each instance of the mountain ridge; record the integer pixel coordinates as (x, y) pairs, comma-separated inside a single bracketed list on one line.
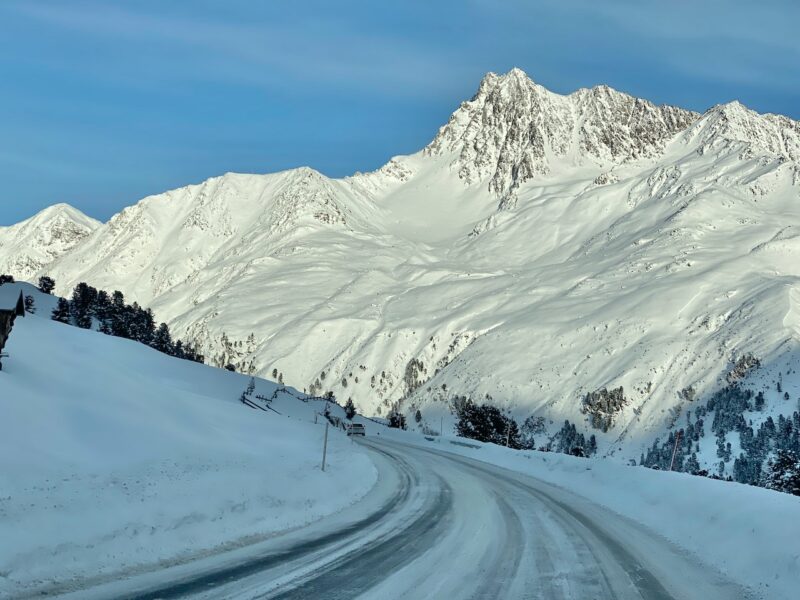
[(513, 128), (518, 255)]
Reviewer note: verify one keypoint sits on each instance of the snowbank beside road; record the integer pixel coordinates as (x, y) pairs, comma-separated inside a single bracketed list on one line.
[(751, 535), (115, 458)]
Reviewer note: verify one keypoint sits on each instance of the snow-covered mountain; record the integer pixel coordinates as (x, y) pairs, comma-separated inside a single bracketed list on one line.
[(539, 248), (32, 245), (514, 130)]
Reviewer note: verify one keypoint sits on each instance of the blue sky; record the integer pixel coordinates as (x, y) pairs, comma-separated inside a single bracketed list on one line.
[(102, 103)]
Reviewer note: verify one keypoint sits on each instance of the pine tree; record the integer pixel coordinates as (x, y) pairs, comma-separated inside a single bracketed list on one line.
[(144, 325), (162, 340), (530, 427), (102, 307), (592, 449), (83, 299), (30, 305), (46, 284), (61, 311), (349, 409), (692, 465), (782, 472), (418, 416), (512, 436)]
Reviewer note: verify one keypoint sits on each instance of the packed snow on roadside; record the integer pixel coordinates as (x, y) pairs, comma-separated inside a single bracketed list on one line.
[(749, 534), (115, 458)]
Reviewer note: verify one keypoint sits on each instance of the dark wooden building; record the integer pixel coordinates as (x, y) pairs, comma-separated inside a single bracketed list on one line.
[(7, 318)]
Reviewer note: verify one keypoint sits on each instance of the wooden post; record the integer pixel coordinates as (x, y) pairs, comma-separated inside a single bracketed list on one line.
[(325, 446)]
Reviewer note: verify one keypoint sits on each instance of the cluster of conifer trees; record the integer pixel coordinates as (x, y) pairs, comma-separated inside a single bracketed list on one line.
[(769, 455), (89, 307), (486, 423), (569, 440)]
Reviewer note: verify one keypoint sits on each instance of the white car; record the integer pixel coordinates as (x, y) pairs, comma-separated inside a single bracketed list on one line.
[(356, 429)]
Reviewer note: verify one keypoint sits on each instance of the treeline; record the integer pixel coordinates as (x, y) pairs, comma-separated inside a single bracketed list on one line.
[(88, 307), (769, 454), (487, 423)]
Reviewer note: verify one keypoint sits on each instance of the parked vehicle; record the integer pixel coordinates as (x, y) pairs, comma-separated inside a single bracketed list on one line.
[(356, 429)]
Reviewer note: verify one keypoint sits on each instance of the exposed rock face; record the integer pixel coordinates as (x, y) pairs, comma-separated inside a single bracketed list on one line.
[(513, 130)]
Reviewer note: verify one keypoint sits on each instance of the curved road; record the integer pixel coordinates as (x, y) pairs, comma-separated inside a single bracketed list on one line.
[(439, 525)]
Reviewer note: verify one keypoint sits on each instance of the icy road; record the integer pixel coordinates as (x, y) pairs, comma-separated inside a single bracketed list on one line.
[(439, 525)]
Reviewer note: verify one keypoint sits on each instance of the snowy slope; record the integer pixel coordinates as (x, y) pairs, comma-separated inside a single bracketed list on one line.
[(115, 458), (540, 247)]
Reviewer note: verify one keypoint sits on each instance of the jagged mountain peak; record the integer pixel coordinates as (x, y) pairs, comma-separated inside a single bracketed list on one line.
[(514, 129), (514, 80)]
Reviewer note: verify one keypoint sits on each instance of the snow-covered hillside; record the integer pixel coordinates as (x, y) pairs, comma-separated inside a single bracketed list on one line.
[(539, 248), (115, 458)]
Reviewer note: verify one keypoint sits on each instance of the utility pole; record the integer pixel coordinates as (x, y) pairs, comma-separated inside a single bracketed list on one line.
[(675, 449), (325, 446), (508, 436)]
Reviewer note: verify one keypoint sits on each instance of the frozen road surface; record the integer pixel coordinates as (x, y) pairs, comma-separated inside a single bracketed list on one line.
[(443, 526)]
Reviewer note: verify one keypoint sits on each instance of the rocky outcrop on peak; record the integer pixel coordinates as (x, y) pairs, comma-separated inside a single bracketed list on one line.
[(513, 130), (732, 123)]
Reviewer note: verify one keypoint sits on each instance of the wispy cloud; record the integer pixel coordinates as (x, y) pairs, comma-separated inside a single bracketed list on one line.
[(321, 50)]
